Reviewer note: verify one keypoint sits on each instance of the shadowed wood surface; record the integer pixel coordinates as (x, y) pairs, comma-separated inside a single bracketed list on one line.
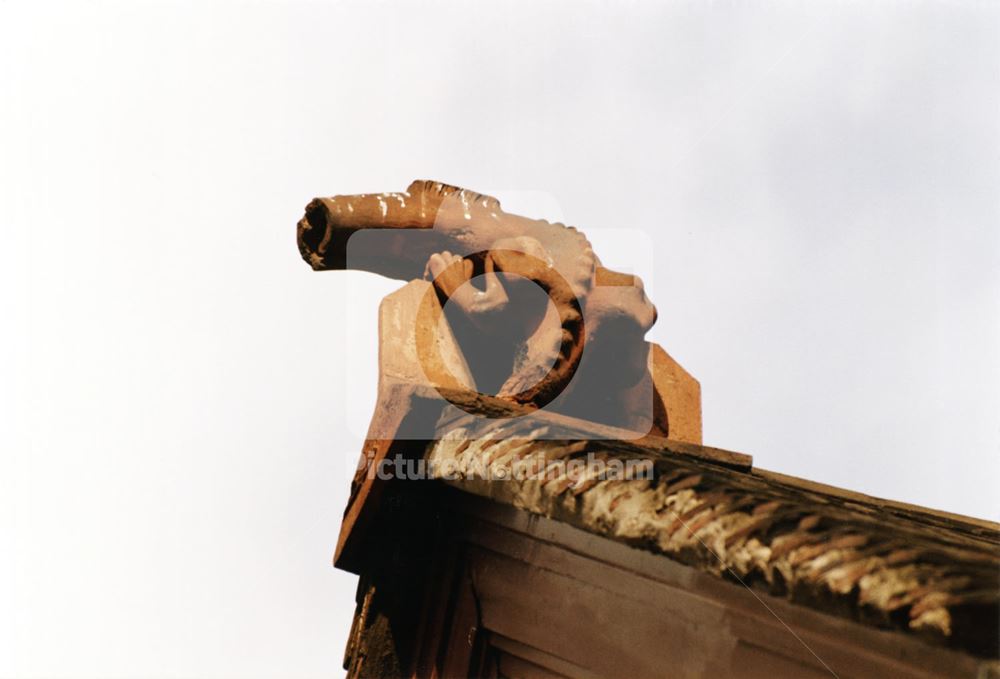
[(915, 578), (481, 589), (881, 564)]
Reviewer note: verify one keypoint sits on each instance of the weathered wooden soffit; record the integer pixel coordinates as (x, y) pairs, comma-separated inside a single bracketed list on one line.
[(512, 352)]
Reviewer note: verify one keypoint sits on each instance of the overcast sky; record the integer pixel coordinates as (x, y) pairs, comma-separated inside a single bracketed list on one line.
[(809, 191)]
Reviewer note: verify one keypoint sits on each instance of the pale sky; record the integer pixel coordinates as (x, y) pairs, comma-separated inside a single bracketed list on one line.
[(810, 192)]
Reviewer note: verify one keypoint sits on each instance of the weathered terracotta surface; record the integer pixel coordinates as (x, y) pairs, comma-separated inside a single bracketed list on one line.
[(680, 394), (582, 349)]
